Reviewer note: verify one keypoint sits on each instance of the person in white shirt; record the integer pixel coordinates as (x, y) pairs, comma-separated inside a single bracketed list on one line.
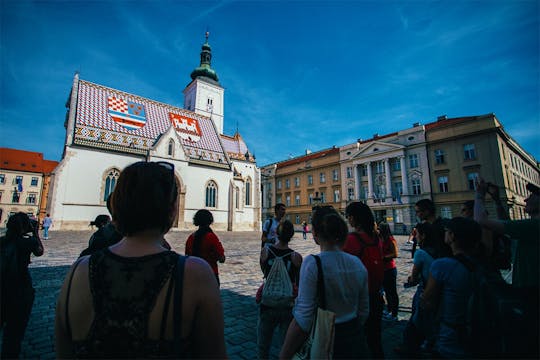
[(346, 290), (269, 235)]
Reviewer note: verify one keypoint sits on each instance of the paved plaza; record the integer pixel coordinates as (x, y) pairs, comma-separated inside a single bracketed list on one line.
[(240, 277)]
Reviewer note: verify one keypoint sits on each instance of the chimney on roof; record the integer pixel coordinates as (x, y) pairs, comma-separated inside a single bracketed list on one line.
[(416, 124), (442, 117)]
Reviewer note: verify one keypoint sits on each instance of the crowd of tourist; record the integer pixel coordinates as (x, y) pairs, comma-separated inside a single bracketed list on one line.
[(130, 295)]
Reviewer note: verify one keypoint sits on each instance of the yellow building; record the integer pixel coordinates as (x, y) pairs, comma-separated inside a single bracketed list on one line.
[(302, 182), (439, 161), (461, 149), (24, 183)]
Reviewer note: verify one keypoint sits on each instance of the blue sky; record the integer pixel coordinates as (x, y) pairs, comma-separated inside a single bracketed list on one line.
[(297, 75)]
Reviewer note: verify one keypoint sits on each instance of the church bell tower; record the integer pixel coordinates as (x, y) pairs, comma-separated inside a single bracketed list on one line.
[(204, 94)]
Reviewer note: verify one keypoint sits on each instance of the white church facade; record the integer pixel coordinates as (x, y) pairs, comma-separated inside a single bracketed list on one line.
[(108, 129)]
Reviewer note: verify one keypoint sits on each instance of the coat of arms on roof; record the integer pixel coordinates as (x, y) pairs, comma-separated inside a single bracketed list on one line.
[(128, 114), (186, 127)]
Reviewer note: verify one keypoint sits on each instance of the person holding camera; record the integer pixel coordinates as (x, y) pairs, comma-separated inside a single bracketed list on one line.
[(525, 276), (21, 240)]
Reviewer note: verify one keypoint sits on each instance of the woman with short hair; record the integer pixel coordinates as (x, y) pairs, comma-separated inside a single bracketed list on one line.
[(136, 298)]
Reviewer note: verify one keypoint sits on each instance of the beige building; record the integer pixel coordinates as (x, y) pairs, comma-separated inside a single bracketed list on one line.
[(461, 149), (440, 161), (302, 182), (24, 179), (389, 173)]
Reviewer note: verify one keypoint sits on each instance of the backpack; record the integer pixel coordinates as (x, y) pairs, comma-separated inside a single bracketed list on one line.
[(278, 287), (495, 314), (372, 258)]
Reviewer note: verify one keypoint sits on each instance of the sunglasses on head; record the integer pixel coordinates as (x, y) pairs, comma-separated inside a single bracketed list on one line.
[(165, 164)]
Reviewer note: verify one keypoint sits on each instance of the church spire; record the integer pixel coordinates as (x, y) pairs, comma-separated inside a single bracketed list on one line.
[(205, 69)]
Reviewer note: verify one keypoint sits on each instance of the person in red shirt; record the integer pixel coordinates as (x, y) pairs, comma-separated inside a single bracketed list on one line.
[(365, 243), (204, 243), (390, 252)]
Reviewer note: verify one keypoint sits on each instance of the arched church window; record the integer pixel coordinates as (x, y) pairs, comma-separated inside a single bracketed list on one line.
[(111, 177), (237, 197), (170, 150), (248, 192), (211, 194)]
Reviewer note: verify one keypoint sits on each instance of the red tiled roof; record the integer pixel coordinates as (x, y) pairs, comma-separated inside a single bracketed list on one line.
[(448, 121), (308, 157), (21, 160), (49, 166)]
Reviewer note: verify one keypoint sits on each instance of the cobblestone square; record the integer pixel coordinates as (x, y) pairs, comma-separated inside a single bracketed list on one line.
[(240, 277)]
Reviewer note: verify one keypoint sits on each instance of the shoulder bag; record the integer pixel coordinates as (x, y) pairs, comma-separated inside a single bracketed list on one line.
[(320, 343)]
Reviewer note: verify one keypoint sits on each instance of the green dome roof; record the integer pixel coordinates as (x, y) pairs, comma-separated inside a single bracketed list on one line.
[(205, 69)]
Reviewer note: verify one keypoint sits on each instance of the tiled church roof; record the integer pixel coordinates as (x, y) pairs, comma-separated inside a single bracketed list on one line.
[(94, 125), (235, 147)]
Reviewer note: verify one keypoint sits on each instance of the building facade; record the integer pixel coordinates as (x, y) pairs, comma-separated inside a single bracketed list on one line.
[(439, 161), (302, 182), (389, 173), (108, 129), (24, 183), (462, 149)]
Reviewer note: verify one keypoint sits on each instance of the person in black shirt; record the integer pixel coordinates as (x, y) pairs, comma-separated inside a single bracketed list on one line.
[(20, 241)]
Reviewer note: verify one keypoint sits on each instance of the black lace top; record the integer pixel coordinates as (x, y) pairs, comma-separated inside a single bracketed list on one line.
[(124, 292)]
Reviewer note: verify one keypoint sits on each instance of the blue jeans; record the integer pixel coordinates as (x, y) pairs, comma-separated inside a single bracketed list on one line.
[(45, 232), (270, 319)]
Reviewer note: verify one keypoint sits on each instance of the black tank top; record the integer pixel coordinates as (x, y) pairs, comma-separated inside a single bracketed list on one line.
[(124, 292)]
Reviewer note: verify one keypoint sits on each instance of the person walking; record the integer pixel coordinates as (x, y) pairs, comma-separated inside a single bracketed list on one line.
[(47, 223), (136, 299), (390, 253), (304, 230), (272, 317), (269, 235), (346, 290), (21, 240), (204, 243)]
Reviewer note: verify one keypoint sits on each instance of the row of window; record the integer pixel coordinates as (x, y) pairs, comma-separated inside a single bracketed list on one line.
[(471, 182), (322, 180), (312, 198), (19, 180), (211, 193), (469, 153), (522, 167), (31, 198)]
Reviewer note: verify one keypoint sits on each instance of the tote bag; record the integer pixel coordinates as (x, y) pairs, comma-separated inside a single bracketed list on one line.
[(320, 342)]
